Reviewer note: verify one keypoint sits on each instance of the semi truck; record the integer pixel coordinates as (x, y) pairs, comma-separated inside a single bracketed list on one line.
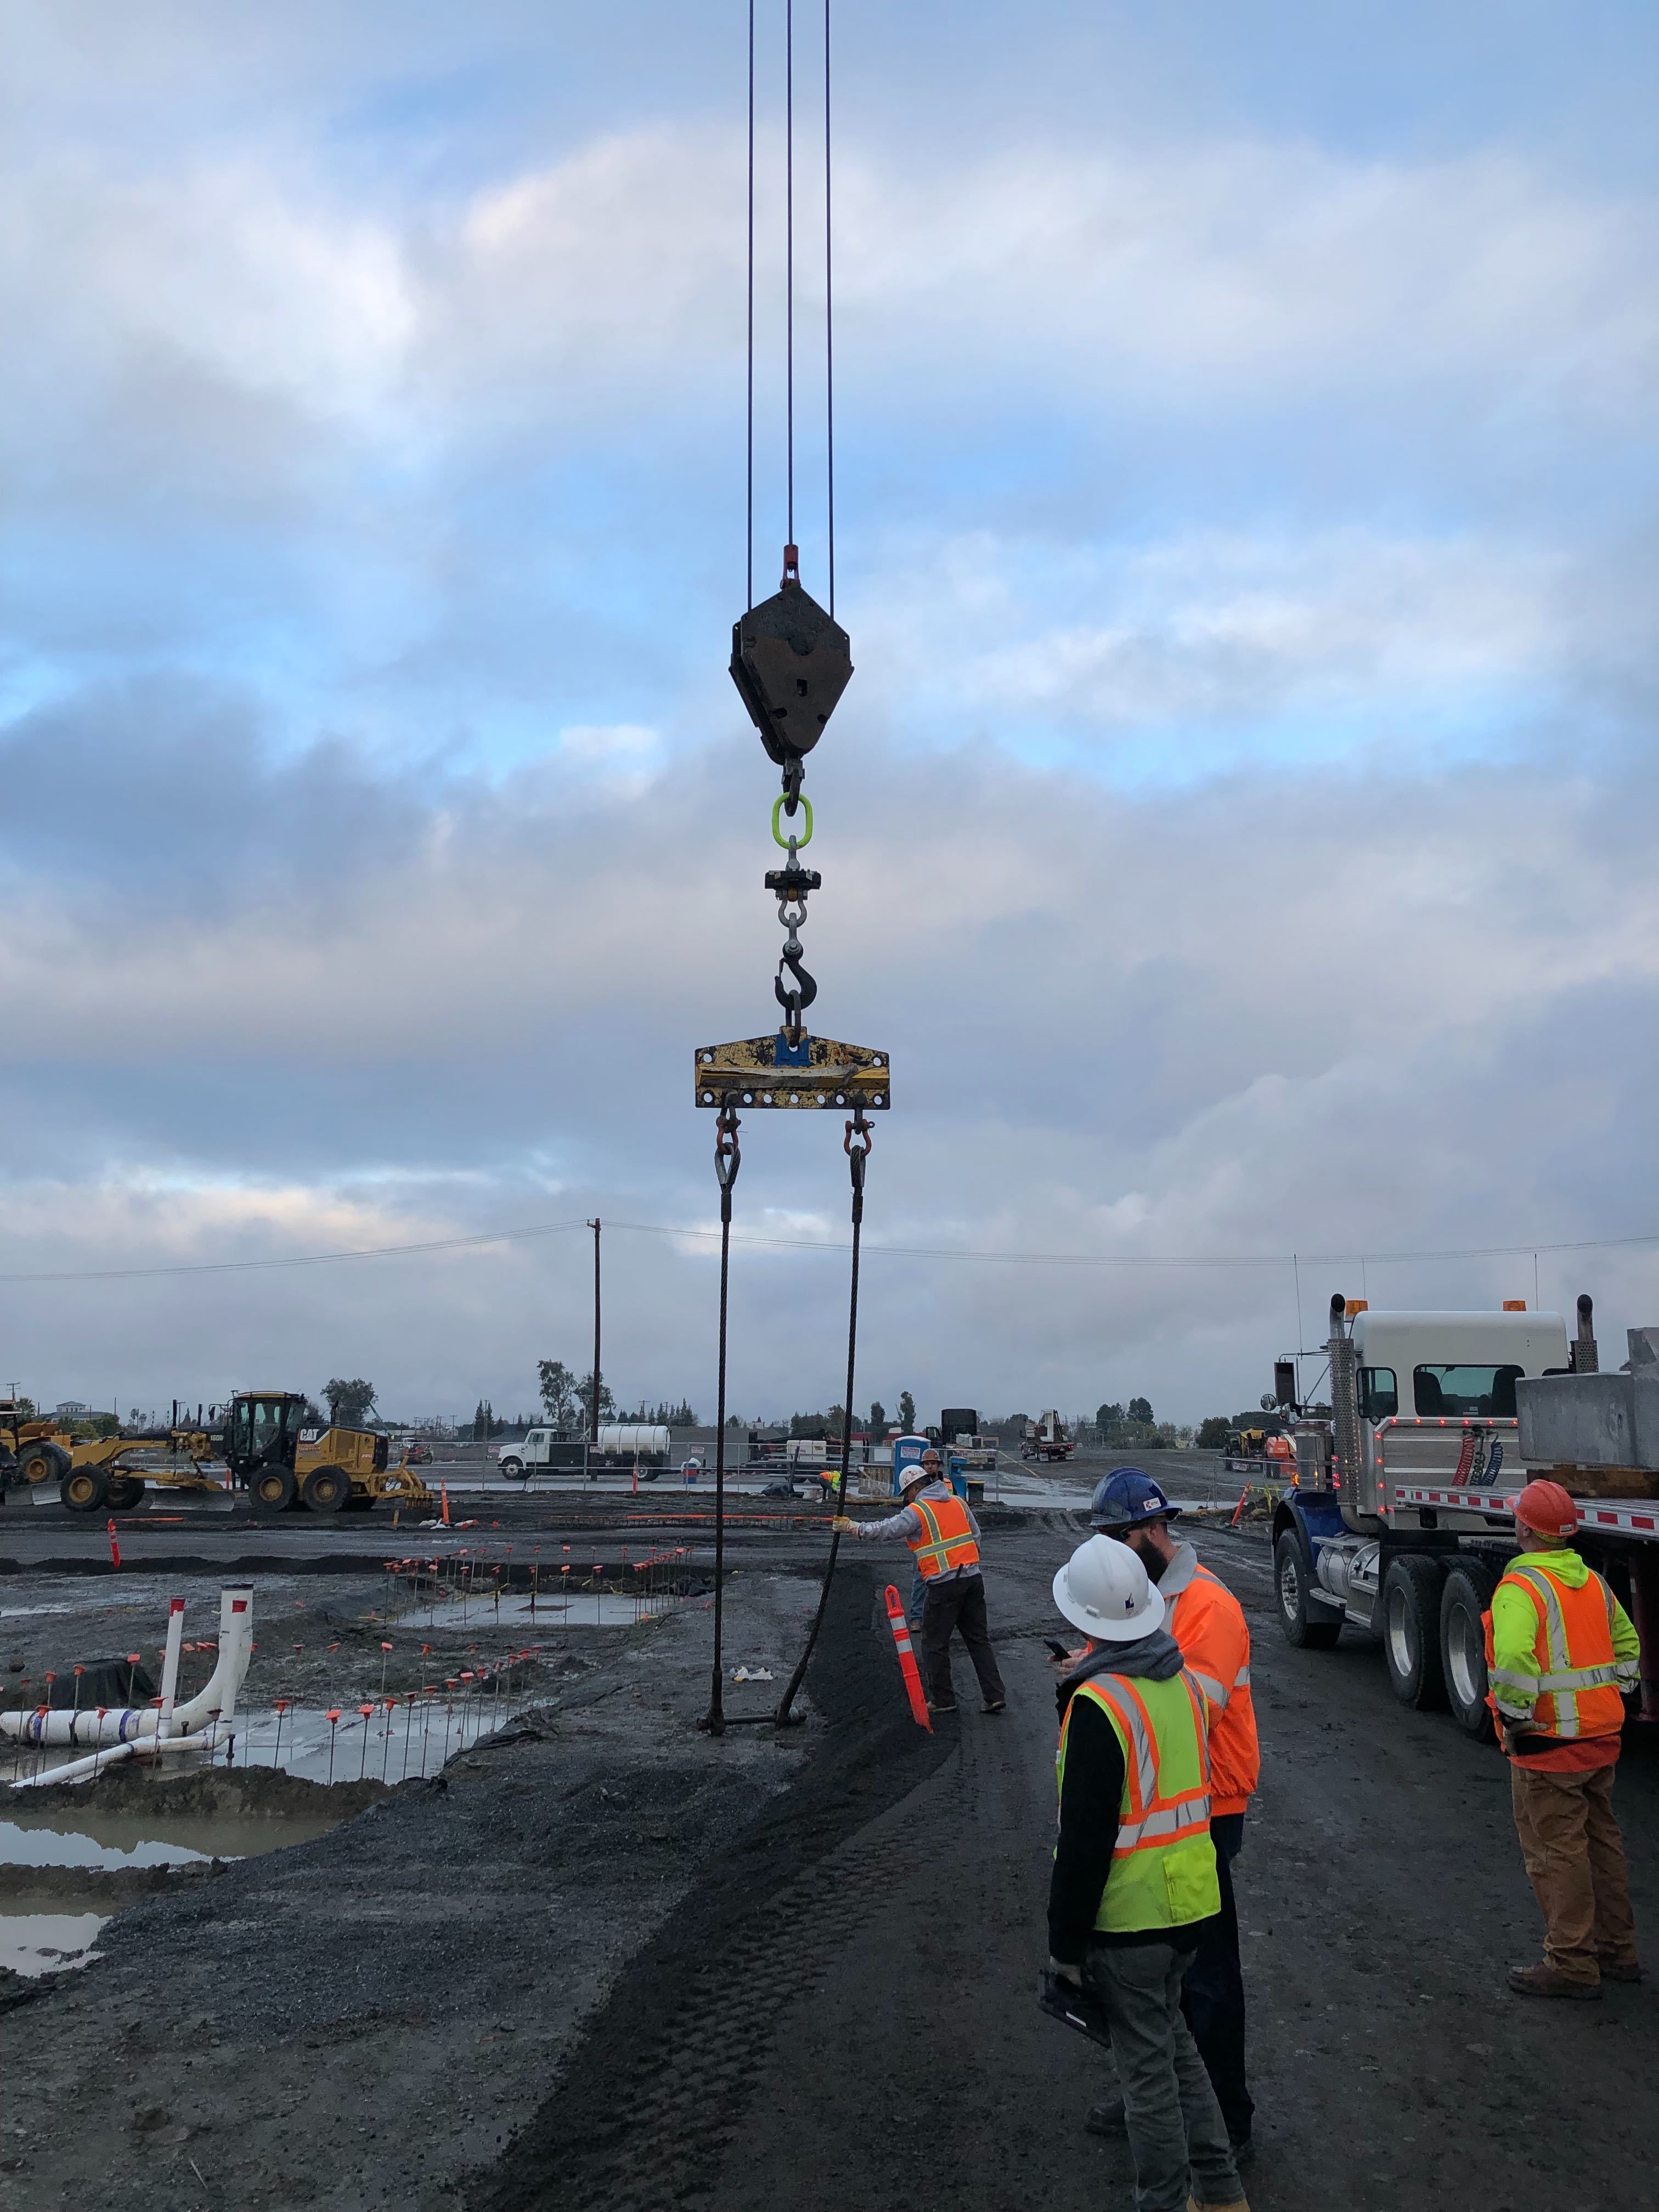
[(1400, 1519), (1046, 1439)]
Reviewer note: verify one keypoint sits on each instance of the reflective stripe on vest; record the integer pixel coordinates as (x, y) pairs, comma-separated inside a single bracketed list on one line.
[(948, 1540), (1163, 1871), (1573, 1701)]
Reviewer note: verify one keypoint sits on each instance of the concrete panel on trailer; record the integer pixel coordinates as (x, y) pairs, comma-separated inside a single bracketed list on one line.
[(1586, 1420)]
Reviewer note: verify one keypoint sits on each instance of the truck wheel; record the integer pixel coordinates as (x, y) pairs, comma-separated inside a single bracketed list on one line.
[(513, 1467), (326, 1489), (273, 1489), (1291, 1577), (125, 1491), (1411, 1632), (84, 1489), (1467, 1596), (43, 1461)]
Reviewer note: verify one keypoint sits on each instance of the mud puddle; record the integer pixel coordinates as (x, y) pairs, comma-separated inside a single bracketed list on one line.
[(69, 1864)]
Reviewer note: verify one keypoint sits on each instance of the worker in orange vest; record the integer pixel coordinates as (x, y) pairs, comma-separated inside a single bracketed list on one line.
[(944, 1539), (1560, 1653), (1208, 1625)]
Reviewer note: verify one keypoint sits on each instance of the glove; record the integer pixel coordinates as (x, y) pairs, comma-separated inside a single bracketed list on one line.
[(843, 1524)]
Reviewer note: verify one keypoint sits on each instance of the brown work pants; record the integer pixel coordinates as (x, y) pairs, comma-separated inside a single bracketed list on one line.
[(1575, 1856)]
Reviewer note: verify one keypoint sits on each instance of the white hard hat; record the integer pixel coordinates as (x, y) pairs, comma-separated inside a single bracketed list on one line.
[(1104, 1589)]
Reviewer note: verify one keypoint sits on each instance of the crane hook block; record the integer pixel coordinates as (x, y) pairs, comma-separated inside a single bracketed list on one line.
[(768, 1071), (791, 662)]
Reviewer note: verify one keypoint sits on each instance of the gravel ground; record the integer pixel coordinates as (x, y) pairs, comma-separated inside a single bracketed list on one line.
[(611, 1963), (356, 2020)]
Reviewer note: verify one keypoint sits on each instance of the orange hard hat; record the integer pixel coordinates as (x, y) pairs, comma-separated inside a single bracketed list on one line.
[(1547, 1510)]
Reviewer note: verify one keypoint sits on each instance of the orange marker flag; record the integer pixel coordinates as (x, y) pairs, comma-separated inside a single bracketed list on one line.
[(907, 1659)]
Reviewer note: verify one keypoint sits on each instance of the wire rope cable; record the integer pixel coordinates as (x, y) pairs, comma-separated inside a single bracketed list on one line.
[(829, 326), (789, 259), (749, 518), (858, 1154), (727, 1160)]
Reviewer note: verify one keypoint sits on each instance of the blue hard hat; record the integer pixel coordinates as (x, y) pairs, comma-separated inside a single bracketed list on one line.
[(1127, 1498)]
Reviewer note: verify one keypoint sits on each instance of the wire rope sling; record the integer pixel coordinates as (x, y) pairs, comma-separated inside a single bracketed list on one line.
[(790, 661)]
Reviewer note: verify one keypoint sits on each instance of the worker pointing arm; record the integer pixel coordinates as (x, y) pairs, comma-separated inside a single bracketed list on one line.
[(944, 1539)]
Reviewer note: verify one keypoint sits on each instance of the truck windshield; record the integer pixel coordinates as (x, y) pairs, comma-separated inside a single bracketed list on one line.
[(1379, 1394), (1475, 1392)]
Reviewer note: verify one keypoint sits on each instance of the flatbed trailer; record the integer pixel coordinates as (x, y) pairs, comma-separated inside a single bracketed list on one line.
[(1402, 1523)]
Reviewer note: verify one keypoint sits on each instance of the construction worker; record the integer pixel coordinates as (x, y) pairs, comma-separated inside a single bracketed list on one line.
[(1560, 1651), (1208, 1624), (1135, 1886), (943, 1538)]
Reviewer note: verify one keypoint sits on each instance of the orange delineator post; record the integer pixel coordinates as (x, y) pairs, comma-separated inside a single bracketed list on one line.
[(444, 1487), (907, 1659)]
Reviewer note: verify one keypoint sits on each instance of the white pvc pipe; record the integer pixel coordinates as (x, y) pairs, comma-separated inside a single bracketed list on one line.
[(87, 1770), (170, 1664), (128, 1724)]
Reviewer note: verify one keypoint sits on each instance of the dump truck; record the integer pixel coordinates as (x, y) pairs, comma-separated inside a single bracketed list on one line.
[(1401, 1519)]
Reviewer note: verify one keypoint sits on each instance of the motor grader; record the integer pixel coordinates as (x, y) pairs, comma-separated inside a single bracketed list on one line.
[(269, 1445)]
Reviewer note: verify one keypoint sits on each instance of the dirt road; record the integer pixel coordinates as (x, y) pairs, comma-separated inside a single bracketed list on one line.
[(854, 2025)]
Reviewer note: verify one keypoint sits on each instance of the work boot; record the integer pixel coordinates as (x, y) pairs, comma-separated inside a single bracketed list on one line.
[(995, 1705), (933, 1708), (1106, 2118), (1547, 1981)]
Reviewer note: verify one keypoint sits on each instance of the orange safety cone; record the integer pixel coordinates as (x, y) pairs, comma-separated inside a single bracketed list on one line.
[(444, 1487), (907, 1659)]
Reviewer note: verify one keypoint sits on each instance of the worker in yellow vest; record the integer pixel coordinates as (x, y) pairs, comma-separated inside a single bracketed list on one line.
[(1135, 1885), (1207, 1621), (1560, 1652), (944, 1539)]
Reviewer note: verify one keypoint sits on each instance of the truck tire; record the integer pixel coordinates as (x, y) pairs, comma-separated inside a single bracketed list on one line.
[(1467, 1596), (1411, 1632), (1291, 1579), (326, 1489), (272, 1489), (84, 1489), (124, 1492), (511, 1468)]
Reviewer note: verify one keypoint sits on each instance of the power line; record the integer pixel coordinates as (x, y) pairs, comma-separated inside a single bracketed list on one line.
[(1133, 1259)]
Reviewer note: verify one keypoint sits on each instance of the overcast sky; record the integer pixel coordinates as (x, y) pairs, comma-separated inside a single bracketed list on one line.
[(1239, 828)]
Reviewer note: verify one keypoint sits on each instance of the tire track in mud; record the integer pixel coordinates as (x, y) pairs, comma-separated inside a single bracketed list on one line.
[(644, 2105)]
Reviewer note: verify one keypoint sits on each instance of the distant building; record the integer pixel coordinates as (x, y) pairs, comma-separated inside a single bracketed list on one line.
[(71, 1409)]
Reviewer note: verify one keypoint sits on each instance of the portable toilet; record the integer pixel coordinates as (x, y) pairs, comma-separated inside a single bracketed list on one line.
[(907, 1455)]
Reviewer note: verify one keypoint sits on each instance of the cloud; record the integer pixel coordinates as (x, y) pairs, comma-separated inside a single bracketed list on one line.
[(1238, 828)]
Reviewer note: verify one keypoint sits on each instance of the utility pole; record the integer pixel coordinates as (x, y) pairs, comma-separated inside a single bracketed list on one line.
[(593, 1415)]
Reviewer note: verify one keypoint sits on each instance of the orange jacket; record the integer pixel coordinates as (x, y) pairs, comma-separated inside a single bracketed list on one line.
[(945, 1538), (1207, 1621)]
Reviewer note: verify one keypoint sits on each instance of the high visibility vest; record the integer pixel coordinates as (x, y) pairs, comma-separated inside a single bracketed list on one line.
[(1578, 1677), (1207, 1621), (1162, 1872), (945, 1538)]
